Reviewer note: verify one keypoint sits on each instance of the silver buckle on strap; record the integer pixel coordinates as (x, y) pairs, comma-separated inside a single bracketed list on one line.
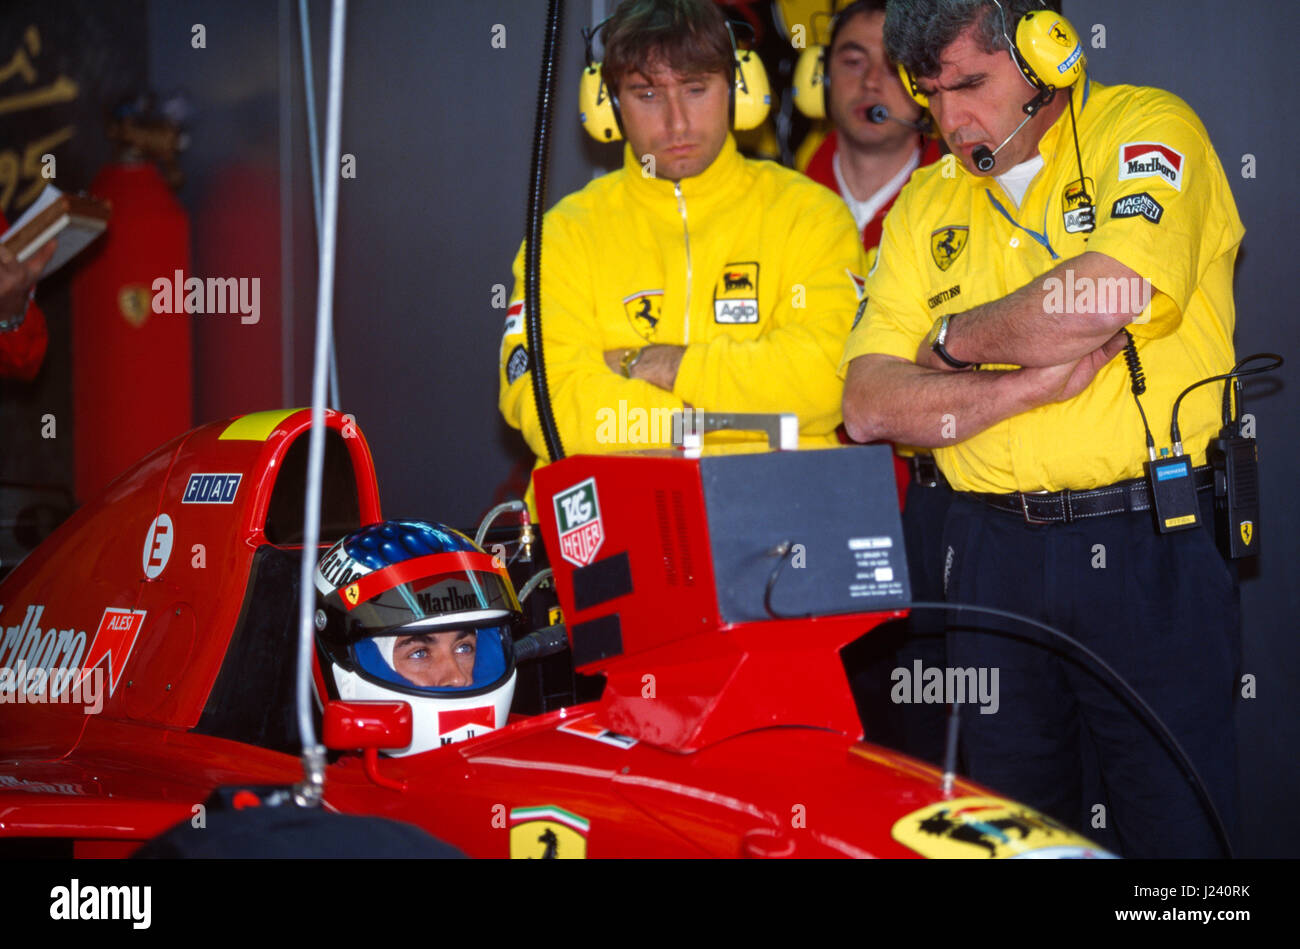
[(1024, 506)]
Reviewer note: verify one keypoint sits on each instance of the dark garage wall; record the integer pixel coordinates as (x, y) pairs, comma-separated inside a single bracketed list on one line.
[(1221, 63), (441, 124)]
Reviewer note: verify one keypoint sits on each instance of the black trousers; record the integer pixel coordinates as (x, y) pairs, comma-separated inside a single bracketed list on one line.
[(915, 729), (1162, 610)]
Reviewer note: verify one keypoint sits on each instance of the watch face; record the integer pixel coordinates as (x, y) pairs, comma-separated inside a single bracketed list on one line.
[(937, 332)]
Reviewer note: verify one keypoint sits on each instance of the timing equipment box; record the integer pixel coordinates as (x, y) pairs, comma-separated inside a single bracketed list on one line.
[(651, 548)]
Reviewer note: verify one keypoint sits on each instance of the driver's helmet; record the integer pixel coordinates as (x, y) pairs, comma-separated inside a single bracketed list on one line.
[(416, 611)]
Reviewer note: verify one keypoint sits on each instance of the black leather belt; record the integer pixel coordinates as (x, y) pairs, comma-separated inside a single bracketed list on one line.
[(1069, 506), (925, 472)]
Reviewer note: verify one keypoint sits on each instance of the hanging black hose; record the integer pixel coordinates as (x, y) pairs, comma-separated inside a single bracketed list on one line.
[(533, 229)]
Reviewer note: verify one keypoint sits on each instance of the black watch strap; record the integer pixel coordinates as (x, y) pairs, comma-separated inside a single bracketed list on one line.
[(940, 336)]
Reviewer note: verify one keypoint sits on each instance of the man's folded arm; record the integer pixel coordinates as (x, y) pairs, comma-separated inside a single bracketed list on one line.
[(890, 398), (1035, 326), (587, 399)]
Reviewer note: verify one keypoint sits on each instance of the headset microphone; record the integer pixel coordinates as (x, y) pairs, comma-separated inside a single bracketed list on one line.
[(984, 157), (878, 115)]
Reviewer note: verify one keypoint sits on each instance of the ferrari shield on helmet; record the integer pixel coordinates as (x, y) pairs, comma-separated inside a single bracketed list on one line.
[(416, 611)]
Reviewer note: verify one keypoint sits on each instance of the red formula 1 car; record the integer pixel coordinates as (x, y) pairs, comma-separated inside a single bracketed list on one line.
[(148, 658)]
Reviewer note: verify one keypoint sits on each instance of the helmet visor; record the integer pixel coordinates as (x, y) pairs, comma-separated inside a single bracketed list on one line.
[(436, 661)]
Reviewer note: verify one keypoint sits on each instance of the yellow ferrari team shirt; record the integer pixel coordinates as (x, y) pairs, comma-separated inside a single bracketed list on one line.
[(751, 266), (1163, 208)]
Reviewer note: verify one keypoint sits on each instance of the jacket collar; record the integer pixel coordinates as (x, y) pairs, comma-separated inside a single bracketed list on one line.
[(719, 182)]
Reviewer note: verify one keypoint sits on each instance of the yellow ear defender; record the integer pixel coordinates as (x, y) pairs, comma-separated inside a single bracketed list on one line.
[(597, 107), (750, 95), (1046, 49), (909, 86), (808, 84)]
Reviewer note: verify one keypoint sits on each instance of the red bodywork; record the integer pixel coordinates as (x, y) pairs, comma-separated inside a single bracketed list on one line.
[(746, 745)]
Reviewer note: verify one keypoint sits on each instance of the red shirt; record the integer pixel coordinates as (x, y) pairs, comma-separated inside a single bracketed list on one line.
[(821, 170), (23, 350)]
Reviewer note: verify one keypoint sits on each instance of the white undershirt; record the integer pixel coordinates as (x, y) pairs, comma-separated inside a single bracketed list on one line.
[(864, 211), (1016, 180)]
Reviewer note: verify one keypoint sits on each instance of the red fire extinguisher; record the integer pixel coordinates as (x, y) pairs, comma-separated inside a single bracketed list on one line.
[(132, 379)]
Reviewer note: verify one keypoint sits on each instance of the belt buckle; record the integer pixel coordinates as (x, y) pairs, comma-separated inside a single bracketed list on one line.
[(1024, 506)]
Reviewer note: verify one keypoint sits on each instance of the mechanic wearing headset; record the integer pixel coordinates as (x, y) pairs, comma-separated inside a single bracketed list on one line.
[(23, 336), (967, 346), (692, 276)]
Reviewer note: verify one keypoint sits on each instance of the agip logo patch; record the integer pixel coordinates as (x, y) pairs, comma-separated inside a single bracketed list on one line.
[(547, 833), (577, 515), (1076, 206), (984, 827), (735, 297), (946, 245), (643, 310)]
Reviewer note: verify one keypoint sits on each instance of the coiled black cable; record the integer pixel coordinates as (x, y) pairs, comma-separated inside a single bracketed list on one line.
[(533, 226), (1138, 386)]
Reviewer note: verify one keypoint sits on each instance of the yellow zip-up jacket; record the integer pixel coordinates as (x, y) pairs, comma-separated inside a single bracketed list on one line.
[(749, 265)]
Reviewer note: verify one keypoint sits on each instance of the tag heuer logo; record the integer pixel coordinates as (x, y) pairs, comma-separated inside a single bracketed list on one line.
[(577, 515)]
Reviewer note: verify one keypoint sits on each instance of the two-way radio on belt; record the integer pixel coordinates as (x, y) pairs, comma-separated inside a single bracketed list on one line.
[(1232, 456)]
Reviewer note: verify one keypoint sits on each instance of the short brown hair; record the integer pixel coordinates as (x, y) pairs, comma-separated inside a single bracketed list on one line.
[(689, 36)]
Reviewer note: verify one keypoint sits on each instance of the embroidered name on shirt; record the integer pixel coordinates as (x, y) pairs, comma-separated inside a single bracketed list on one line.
[(943, 296)]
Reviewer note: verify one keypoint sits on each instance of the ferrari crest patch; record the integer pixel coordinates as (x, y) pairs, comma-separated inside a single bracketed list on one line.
[(643, 309), (1247, 532), (985, 827), (351, 593), (946, 245), (547, 833), (134, 303)]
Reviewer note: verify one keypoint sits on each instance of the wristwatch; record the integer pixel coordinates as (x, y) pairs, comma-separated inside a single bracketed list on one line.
[(12, 323), (629, 360), (938, 336)]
